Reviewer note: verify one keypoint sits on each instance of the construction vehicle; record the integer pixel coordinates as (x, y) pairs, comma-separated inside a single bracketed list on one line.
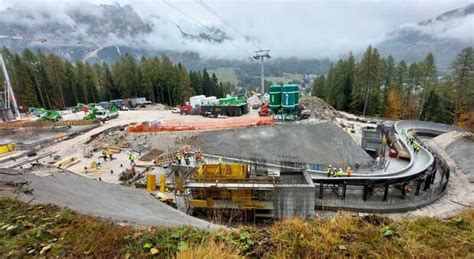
[(92, 110), (185, 109), (36, 111), (264, 110), (49, 115), (106, 114)]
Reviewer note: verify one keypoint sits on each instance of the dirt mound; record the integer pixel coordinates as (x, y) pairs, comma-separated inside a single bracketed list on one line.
[(153, 107), (322, 143), (318, 108)]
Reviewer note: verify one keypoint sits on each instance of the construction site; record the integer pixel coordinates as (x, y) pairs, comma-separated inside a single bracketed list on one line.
[(234, 159)]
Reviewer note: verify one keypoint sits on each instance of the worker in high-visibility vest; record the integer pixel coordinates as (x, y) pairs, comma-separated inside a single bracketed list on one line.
[(329, 171), (178, 157), (104, 155), (186, 158), (340, 173), (349, 171), (131, 157)]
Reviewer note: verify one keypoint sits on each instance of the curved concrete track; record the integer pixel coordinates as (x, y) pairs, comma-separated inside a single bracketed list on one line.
[(420, 161), (96, 198)]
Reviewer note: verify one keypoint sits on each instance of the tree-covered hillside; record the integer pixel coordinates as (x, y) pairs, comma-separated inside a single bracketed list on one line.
[(378, 86)]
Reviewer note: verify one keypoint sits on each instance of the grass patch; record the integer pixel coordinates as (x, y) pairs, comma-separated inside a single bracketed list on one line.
[(285, 78), (51, 231), (225, 75)]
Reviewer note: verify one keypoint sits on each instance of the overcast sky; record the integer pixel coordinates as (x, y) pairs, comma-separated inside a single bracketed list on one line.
[(289, 28)]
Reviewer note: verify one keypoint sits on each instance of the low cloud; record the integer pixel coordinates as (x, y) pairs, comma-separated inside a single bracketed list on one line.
[(289, 28)]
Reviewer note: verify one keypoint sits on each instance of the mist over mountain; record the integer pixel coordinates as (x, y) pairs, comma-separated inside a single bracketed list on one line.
[(445, 36), (96, 33)]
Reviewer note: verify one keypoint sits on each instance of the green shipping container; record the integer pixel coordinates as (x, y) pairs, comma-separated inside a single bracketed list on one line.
[(275, 98)]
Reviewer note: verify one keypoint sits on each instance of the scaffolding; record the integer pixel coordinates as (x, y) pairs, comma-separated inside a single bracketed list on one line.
[(236, 190)]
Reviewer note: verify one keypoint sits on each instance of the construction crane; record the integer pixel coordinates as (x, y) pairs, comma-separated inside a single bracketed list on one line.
[(8, 100)]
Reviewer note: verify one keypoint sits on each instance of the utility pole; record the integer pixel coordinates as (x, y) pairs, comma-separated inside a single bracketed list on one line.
[(261, 55), (10, 96)]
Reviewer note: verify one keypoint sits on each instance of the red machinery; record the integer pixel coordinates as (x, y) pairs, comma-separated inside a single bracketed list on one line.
[(185, 109), (264, 110), (393, 153)]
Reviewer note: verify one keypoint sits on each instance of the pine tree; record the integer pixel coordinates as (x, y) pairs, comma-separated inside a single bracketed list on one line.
[(463, 79), (214, 85), (70, 85), (167, 79), (206, 83), (366, 93), (185, 88), (319, 87), (428, 80), (31, 63), (23, 85), (410, 98), (80, 84), (148, 78)]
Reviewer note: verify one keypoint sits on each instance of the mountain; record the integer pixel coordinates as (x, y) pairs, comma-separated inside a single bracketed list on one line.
[(97, 33), (103, 33), (445, 36), (93, 33)]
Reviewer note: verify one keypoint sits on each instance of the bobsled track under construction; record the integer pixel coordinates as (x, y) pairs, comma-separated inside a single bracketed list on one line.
[(426, 178), (395, 187), (303, 187)]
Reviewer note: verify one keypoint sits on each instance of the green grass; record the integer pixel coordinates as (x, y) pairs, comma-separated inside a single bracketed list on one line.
[(26, 230), (229, 75), (285, 78), (225, 75)]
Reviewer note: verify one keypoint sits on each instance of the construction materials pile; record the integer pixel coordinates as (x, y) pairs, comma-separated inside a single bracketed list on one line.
[(318, 108)]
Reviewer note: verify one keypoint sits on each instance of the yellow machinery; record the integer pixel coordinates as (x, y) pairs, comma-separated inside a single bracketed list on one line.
[(7, 148), (224, 172), (162, 183), (65, 163), (151, 182)]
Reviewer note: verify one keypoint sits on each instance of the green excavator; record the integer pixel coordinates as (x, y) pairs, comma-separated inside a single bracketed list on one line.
[(49, 115)]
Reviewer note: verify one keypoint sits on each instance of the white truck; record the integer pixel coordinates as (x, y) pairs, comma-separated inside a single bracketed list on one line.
[(103, 114)]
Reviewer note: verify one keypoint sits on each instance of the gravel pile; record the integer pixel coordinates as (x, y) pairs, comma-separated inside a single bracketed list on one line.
[(322, 143), (319, 109)]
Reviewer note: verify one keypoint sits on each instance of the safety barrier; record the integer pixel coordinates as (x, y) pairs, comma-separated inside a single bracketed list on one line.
[(384, 195)]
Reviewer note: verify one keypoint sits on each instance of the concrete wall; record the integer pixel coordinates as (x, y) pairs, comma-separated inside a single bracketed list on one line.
[(294, 201)]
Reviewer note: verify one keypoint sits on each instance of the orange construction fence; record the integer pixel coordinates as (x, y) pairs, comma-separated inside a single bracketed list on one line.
[(209, 124)]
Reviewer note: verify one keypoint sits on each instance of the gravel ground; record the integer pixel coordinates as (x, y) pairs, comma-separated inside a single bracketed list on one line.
[(100, 199), (462, 152), (322, 143)]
